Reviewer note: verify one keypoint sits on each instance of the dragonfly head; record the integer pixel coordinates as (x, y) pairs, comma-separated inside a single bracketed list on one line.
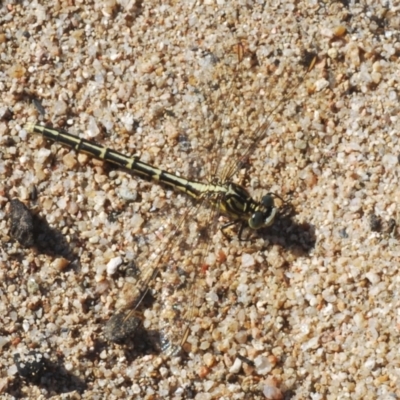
[(264, 215)]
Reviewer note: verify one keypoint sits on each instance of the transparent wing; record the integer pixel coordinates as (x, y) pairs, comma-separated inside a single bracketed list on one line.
[(174, 272), (237, 123)]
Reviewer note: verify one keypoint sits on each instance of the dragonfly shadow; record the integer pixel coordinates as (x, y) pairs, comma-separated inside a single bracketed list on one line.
[(31, 230), (298, 238), (125, 328), (48, 375), (138, 343), (49, 240)]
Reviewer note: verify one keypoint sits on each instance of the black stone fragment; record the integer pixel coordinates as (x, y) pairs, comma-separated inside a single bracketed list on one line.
[(375, 223), (121, 326), (31, 366), (22, 226)]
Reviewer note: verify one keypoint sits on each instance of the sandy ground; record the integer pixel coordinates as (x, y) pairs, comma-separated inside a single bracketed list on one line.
[(307, 309)]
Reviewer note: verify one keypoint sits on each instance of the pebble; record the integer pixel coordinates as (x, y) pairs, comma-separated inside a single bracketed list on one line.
[(247, 260), (113, 265), (236, 366)]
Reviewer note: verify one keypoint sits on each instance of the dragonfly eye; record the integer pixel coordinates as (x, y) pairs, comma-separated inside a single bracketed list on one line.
[(256, 221), (264, 218), (268, 200)]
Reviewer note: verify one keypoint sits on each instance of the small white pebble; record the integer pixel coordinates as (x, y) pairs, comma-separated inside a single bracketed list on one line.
[(103, 354), (69, 366), (32, 285), (22, 133), (373, 277), (113, 265), (12, 370), (359, 320), (62, 203), (135, 388), (209, 359), (3, 341), (332, 53), (328, 295), (60, 107), (236, 366), (321, 84), (205, 345), (92, 128), (94, 239), (376, 77), (128, 121), (247, 260), (136, 222), (313, 343), (208, 385), (272, 392), (26, 326), (262, 364), (390, 161), (42, 155), (72, 208), (127, 195)]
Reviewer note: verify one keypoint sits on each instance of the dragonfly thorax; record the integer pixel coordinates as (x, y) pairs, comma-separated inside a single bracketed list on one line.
[(240, 205)]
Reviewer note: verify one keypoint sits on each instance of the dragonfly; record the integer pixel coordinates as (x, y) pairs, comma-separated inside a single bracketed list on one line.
[(220, 194)]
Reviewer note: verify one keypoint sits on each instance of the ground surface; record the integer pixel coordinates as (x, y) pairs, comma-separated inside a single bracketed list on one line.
[(305, 310)]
